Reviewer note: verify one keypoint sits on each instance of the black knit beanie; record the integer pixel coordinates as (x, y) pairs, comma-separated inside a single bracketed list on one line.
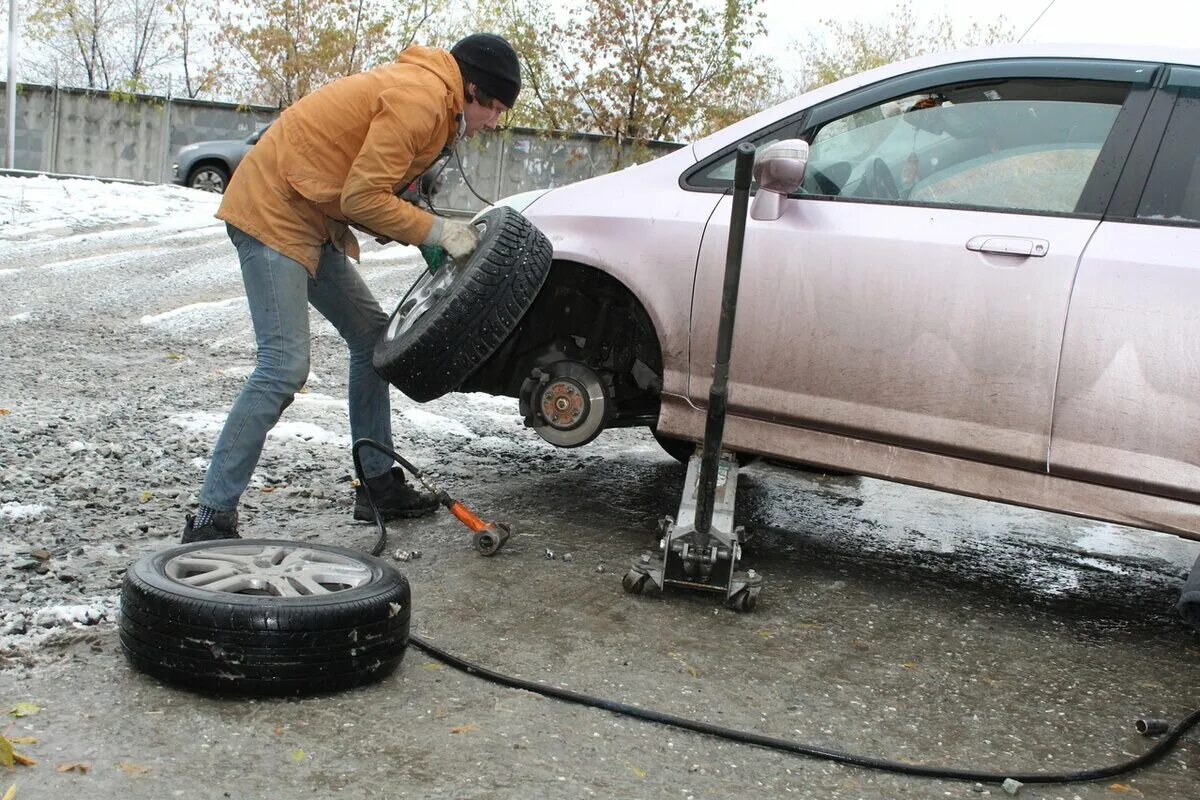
[(489, 62)]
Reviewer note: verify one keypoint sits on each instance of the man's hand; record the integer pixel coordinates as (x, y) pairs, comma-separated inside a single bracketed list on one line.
[(459, 239)]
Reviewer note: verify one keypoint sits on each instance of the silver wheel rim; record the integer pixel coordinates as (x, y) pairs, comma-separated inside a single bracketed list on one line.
[(267, 570), (430, 288), (207, 180)]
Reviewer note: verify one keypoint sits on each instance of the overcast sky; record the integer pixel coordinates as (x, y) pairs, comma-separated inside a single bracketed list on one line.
[(1171, 22)]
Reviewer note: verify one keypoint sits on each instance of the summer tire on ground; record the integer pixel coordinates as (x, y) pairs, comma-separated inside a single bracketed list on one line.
[(453, 319), (264, 617)]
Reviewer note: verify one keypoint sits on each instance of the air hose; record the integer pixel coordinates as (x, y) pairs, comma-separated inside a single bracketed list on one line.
[(1148, 727)]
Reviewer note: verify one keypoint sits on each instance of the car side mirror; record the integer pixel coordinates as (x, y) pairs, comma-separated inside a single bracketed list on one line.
[(778, 171)]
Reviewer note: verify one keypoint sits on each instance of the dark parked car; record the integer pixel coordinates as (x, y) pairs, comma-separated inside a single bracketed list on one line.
[(208, 165)]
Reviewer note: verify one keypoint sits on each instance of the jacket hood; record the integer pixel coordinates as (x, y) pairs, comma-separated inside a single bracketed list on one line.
[(441, 64)]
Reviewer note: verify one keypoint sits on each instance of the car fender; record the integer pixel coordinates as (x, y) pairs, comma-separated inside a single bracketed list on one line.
[(640, 227)]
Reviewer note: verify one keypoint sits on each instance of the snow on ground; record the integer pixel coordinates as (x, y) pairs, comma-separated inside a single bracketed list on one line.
[(42, 208)]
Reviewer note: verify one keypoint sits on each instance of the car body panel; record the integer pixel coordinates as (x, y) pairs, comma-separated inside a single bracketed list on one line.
[(637, 226), (1128, 404), (877, 321), (942, 472)]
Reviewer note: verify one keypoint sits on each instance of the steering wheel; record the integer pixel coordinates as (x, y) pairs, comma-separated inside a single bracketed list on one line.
[(883, 183)]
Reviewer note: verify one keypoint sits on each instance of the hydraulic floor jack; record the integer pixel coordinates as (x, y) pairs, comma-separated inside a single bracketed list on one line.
[(701, 547)]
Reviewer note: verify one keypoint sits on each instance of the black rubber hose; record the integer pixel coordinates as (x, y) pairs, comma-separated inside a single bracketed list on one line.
[(950, 773), (1152, 755), (381, 542)]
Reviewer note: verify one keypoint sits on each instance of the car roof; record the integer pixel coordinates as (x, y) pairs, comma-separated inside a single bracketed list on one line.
[(1114, 52)]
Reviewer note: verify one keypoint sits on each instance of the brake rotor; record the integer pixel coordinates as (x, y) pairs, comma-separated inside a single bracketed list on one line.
[(570, 404)]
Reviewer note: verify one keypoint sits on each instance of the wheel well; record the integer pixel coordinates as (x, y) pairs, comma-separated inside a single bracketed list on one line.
[(208, 162), (585, 315)]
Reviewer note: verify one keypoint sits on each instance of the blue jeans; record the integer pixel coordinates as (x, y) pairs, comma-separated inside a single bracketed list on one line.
[(279, 291)]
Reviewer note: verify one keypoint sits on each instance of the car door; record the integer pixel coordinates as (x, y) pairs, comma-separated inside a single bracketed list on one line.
[(916, 289), (1127, 411)]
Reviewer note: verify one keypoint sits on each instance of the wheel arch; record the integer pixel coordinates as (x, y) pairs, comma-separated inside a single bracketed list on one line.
[(209, 161), (584, 313)]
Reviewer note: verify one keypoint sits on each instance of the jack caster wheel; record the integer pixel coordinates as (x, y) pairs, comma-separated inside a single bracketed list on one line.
[(744, 601), (635, 582)]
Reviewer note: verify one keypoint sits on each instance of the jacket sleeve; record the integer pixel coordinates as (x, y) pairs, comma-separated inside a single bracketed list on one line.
[(405, 122)]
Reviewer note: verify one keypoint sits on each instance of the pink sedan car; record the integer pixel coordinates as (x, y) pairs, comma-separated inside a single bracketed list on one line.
[(987, 281)]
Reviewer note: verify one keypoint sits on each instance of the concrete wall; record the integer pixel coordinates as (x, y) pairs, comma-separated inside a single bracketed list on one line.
[(85, 132)]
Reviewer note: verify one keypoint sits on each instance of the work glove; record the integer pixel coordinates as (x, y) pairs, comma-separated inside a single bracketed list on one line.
[(459, 239)]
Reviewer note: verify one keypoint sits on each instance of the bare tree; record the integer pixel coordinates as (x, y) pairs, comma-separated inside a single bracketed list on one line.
[(847, 48), (78, 33)]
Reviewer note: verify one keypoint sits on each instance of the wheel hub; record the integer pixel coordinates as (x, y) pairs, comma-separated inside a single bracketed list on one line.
[(564, 404), (567, 403)]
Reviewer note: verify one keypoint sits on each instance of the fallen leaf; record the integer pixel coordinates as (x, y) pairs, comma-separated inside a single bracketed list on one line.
[(145, 496), (639, 772), (695, 673), (767, 634), (4, 412), (12, 790), (82, 769), (279, 730), (431, 665), (23, 761), (909, 665), (1119, 788), (468, 728), (174, 356), (268, 489), (23, 740), (298, 756), (6, 752), (24, 709), (132, 770)]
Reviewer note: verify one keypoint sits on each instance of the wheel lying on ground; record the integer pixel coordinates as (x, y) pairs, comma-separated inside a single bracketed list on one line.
[(264, 617), (453, 319)]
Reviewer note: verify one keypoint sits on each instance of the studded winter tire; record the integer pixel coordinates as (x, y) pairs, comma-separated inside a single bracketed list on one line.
[(453, 319)]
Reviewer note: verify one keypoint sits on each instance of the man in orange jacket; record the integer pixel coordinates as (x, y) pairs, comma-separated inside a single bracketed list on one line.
[(337, 158)]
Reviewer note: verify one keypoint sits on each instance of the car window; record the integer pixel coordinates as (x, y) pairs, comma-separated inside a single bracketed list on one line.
[(1172, 193), (720, 174), (1014, 145), (254, 137)]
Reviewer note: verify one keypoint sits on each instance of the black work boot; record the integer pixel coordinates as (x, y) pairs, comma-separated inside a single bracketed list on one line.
[(222, 526), (393, 497)]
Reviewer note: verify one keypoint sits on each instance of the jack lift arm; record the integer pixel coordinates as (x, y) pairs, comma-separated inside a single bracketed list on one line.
[(701, 547)]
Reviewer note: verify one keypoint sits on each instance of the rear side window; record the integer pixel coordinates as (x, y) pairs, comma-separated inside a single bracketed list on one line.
[(1014, 145), (1172, 194)]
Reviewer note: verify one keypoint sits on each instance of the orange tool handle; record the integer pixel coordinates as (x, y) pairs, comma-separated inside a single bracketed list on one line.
[(468, 518)]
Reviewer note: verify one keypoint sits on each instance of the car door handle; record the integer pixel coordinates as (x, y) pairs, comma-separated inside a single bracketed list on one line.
[(1009, 246)]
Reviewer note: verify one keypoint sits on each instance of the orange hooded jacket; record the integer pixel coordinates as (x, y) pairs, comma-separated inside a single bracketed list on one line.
[(340, 154)]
